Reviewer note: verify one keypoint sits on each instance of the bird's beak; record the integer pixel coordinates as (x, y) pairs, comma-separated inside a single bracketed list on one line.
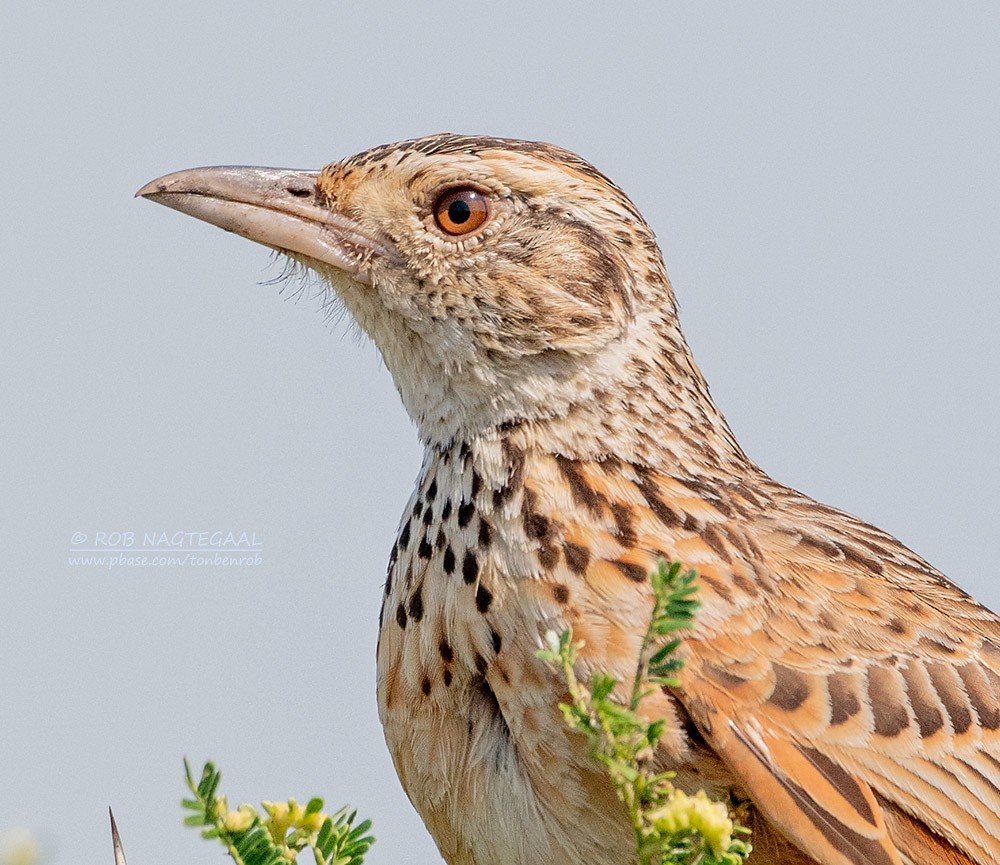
[(277, 207)]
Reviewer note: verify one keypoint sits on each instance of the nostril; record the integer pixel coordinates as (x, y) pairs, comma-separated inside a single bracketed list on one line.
[(299, 191)]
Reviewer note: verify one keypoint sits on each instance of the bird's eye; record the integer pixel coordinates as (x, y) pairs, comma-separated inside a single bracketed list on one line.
[(461, 211)]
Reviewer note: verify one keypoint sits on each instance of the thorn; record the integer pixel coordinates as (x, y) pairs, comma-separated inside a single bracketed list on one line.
[(117, 841)]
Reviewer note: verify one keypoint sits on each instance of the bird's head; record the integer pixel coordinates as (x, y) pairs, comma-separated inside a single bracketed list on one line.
[(502, 281)]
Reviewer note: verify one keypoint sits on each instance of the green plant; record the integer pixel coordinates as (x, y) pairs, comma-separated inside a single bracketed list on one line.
[(281, 833), (671, 827)]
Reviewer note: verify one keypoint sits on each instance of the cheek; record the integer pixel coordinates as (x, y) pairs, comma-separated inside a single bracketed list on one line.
[(561, 297)]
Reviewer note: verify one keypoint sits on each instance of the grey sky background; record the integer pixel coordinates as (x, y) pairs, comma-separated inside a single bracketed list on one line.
[(826, 188)]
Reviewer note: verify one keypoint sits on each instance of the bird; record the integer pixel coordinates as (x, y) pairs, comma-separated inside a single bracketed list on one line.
[(836, 687)]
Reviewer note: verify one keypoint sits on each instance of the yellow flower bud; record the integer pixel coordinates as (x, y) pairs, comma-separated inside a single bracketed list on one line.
[(295, 813), (709, 819), (314, 822), (276, 810), (278, 819), (220, 808), (239, 820)]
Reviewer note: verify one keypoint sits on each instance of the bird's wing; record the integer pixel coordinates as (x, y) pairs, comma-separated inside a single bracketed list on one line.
[(850, 686), (857, 696)]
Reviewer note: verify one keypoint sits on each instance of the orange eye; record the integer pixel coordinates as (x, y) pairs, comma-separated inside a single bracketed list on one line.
[(461, 211)]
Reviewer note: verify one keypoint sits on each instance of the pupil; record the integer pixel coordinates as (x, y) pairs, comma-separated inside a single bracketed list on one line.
[(459, 212)]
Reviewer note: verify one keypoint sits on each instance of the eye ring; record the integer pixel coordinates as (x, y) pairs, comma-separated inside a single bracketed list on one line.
[(461, 210)]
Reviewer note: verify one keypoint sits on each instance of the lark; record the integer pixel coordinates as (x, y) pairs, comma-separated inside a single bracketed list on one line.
[(837, 687)]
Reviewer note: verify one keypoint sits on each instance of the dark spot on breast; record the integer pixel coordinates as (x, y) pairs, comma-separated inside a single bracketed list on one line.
[(485, 534), (886, 700), (897, 626), (577, 557), (428, 517), (425, 550), (634, 572), (477, 484), (401, 616), (480, 663), (466, 510), (432, 490), (791, 688), (404, 536), (440, 540), (418, 507), (497, 642), (417, 603), (425, 686), (447, 678), (560, 593), (448, 562), (484, 597), (446, 510), (388, 583), (470, 567), (447, 654), (536, 526), (548, 556)]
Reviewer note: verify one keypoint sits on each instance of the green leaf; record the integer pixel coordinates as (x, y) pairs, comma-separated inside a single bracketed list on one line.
[(659, 656), (601, 685)]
